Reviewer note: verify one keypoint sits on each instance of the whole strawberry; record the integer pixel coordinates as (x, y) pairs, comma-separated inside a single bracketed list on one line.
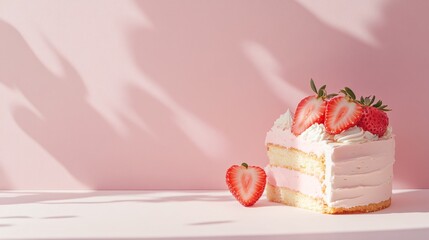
[(246, 183), (374, 118)]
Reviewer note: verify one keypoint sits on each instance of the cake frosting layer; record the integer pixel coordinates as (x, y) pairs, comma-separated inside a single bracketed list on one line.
[(359, 196), (374, 178), (359, 174)]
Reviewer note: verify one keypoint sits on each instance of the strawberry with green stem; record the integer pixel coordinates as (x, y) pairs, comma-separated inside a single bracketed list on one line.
[(374, 117), (311, 109), (342, 112)]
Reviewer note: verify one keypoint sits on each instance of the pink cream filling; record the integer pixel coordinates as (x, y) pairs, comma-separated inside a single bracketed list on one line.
[(294, 180)]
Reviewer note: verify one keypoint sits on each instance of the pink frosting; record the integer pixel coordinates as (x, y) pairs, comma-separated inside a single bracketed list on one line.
[(359, 174)]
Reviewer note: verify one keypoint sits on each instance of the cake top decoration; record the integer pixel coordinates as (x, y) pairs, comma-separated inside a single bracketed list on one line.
[(337, 113)]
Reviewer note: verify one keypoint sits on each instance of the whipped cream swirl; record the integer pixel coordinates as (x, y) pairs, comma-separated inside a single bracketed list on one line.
[(316, 133), (355, 135), (284, 121)]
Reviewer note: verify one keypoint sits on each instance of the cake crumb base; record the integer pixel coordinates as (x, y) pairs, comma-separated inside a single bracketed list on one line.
[(297, 199)]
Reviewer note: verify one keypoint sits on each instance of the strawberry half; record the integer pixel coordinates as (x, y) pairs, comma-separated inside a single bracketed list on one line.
[(246, 183), (310, 110), (374, 117), (341, 113)]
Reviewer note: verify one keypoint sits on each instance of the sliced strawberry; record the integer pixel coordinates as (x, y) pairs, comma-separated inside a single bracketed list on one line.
[(309, 111), (374, 120), (341, 114), (246, 183)]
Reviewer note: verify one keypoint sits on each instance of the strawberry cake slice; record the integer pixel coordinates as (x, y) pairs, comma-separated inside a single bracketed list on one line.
[(334, 155)]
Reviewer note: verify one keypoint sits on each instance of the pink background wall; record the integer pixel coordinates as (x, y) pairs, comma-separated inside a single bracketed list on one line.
[(168, 94)]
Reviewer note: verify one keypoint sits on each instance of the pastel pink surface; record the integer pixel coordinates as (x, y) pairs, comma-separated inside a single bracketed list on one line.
[(150, 95)]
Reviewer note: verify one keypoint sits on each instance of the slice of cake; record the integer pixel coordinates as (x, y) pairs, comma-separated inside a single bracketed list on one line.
[(334, 156)]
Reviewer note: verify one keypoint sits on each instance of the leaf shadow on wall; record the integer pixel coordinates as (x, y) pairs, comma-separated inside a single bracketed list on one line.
[(78, 136), (195, 54), (198, 51), (80, 139)]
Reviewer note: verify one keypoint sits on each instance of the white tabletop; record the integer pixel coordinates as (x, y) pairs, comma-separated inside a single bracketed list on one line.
[(197, 215)]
